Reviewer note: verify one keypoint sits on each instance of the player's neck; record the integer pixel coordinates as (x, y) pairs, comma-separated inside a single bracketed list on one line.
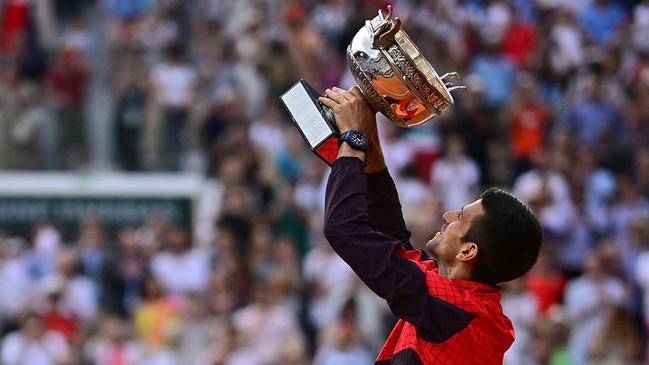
[(459, 271)]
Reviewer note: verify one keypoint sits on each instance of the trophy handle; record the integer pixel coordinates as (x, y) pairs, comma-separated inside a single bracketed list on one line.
[(383, 34), (447, 77)]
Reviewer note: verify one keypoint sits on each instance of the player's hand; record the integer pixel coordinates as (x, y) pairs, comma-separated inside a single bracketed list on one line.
[(351, 109)]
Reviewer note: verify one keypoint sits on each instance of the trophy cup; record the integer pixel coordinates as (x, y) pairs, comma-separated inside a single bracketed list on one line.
[(393, 76)]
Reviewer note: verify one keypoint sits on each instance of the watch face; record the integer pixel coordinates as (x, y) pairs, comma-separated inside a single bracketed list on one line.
[(358, 139)]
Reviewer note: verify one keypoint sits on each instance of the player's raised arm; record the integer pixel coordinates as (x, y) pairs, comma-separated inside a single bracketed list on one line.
[(383, 206)]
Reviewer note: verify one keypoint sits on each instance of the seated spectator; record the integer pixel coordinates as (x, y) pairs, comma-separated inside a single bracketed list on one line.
[(180, 269), (567, 42), (17, 284), (340, 343), (594, 116), (57, 314), (455, 176), (529, 119), (268, 322), (497, 73), (34, 345), (547, 192), (589, 299), (519, 40), (174, 82), (521, 307), (617, 341), (545, 281), (602, 21), (112, 345), (157, 319)]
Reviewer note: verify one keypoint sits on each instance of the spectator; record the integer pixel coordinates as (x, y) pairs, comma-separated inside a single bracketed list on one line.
[(174, 82), (546, 282), (549, 341), (131, 269), (413, 190), (588, 300), (180, 269), (521, 307), (640, 26), (34, 345), (66, 84), (567, 44), (617, 342), (130, 115), (17, 285), (329, 281), (92, 243), (602, 21), (78, 292), (497, 74), (498, 17), (529, 121), (57, 313), (112, 345), (519, 40), (547, 192), (267, 324), (331, 19), (46, 246), (157, 323), (455, 176), (603, 117), (341, 344)]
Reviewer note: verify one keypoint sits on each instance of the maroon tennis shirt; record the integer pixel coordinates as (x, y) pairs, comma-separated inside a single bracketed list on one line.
[(441, 320)]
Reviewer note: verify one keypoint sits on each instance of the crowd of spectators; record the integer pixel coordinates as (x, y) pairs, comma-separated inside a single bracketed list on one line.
[(558, 111)]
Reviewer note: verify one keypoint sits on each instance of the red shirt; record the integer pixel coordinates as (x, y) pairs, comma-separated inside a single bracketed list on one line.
[(528, 127), (519, 41), (66, 324), (14, 19), (548, 289), (69, 83), (442, 321)]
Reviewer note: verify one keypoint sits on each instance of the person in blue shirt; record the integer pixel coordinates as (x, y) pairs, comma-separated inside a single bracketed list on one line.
[(602, 20)]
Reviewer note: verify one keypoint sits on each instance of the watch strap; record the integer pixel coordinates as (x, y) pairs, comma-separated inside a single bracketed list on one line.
[(346, 137)]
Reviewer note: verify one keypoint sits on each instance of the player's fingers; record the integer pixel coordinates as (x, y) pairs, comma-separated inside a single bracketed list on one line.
[(346, 94), (336, 96), (356, 91), (328, 102)]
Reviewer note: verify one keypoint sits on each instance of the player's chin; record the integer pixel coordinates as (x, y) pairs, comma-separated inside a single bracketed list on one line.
[(432, 244)]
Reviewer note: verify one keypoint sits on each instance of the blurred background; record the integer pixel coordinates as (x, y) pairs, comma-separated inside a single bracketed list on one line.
[(157, 206)]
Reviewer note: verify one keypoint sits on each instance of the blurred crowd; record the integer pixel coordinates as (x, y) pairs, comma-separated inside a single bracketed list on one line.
[(558, 111)]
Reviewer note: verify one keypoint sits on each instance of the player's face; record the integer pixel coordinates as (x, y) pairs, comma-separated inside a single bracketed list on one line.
[(447, 242)]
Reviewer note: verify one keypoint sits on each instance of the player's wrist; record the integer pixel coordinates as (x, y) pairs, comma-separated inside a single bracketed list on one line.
[(347, 151)]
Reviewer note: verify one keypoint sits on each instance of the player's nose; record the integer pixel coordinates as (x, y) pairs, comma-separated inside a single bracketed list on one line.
[(450, 216)]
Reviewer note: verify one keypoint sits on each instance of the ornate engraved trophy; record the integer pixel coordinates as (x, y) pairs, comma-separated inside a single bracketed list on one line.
[(393, 75)]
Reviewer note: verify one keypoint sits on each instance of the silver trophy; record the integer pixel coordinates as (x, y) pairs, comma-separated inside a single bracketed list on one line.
[(393, 75)]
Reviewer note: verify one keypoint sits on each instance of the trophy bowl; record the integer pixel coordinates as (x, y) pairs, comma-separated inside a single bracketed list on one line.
[(393, 74)]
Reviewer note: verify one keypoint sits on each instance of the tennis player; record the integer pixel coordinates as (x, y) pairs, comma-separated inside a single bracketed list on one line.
[(446, 295)]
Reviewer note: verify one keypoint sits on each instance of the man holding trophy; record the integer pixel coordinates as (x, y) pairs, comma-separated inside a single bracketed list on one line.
[(446, 296)]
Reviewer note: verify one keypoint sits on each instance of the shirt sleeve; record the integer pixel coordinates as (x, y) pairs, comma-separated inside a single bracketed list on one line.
[(384, 208), (377, 257)]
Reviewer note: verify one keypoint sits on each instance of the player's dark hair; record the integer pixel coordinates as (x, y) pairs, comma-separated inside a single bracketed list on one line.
[(508, 236)]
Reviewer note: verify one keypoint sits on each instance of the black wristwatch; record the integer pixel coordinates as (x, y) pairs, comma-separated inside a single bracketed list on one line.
[(355, 139)]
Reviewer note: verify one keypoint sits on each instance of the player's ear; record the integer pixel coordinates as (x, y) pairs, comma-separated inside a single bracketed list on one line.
[(468, 252)]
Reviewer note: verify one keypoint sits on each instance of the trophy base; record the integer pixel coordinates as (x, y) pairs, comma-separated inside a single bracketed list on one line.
[(314, 121)]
